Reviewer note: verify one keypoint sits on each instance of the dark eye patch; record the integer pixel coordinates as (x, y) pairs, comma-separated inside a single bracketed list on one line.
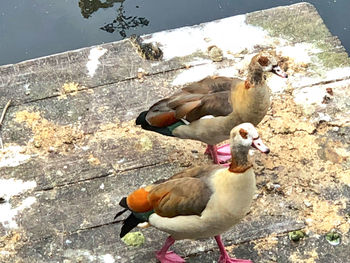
[(263, 61), (243, 133)]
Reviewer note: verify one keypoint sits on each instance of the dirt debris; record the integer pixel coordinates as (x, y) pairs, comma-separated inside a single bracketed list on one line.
[(93, 160), (48, 135), (10, 244), (304, 162), (308, 257), (266, 243), (331, 218), (68, 88), (184, 152)]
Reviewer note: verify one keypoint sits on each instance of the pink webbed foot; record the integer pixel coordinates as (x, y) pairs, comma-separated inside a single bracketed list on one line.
[(220, 155), (225, 258), (169, 257), (165, 256)]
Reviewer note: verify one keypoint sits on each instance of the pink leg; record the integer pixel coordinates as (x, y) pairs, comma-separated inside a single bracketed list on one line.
[(221, 156), (225, 258), (165, 256), (211, 149)]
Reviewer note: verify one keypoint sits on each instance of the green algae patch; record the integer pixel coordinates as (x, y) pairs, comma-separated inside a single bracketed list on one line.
[(134, 239), (305, 26), (334, 59), (298, 28), (296, 235), (333, 238), (184, 60)]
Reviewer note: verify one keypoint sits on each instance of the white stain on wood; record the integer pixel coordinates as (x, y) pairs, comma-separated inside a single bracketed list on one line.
[(87, 256), (94, 56), (9, 188), (13, 156), (299, 52), (310, 98), (108, 258), (222, 33)]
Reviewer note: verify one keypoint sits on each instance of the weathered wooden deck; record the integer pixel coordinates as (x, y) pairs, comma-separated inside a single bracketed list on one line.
[(71, 149)]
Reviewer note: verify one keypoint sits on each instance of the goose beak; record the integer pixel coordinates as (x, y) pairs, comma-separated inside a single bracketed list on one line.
[(279, 72), (258, 144)]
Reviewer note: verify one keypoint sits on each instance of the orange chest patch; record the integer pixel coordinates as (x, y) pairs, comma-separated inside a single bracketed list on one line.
[(239, 168), (247, 85), (163, 119), (138, 202)]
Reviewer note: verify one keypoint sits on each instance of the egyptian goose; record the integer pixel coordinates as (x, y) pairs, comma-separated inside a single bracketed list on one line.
[(200, 202), (207, 110)]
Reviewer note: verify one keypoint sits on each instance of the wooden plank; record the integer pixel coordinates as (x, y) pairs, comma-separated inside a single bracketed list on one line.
[(89, 203), (94, 159), (94, 244), (42, 78), (89, 109), (60, 147)]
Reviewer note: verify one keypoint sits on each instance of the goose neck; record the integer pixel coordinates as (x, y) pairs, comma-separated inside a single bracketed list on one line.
[(240, 162)]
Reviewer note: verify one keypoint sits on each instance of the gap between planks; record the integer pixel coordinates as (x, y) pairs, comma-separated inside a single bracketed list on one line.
[(110, 174)]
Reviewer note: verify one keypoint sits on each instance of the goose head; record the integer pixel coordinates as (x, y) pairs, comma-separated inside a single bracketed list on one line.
[(245, 136), (267, 62)]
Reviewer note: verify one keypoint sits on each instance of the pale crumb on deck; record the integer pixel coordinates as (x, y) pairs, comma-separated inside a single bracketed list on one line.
[(13, 155), (10, 244), (344, 176), (71, 88), (93, 160), (108, 258), (48, 135), (325, 216), (305, 164), (308, 257), (266, 243)]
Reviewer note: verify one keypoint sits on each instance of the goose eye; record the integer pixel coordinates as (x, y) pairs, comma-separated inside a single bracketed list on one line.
[(278, 71)]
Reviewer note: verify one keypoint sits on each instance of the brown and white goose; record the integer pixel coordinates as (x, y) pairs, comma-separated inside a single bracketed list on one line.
[(207, 110), (200, 202)]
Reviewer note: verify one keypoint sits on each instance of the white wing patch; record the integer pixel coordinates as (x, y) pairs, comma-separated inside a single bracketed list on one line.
[(185, 121), (207, 117)]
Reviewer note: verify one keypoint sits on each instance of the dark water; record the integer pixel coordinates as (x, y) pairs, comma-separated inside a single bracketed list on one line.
[(34, 28)]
